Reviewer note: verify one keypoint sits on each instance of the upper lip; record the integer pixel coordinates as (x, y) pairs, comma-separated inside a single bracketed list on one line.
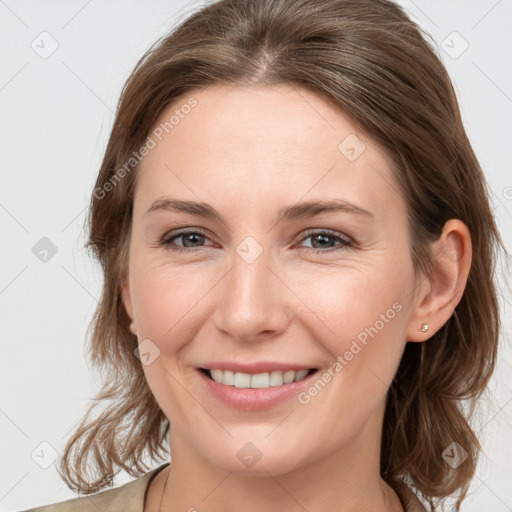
[(256, 367)]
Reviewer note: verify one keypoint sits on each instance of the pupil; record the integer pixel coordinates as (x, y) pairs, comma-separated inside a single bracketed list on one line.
[(322, 237), (191, 236)]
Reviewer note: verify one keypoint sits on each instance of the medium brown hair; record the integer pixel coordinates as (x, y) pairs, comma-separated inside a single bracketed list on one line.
[(372, 62)]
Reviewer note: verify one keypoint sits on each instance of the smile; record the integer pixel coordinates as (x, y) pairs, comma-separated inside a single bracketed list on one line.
[(258, 380)]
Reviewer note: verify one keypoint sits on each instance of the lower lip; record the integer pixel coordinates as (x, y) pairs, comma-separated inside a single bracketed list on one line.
[(254, 399)]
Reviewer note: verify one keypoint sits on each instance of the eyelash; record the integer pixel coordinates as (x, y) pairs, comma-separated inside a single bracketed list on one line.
[(167, 240)]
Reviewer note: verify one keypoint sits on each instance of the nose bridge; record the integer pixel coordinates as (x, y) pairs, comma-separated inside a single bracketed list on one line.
[(254, 300)]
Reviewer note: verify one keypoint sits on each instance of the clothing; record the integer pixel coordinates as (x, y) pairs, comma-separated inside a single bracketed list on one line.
[(409, 500), (130, 497)]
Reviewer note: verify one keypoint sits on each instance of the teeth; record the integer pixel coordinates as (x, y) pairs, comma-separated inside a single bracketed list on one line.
[(258, 380)]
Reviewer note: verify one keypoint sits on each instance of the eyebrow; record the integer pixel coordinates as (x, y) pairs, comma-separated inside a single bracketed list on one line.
[(302, 210)]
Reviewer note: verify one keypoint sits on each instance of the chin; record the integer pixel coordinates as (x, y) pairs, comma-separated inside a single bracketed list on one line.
[(257, 458)]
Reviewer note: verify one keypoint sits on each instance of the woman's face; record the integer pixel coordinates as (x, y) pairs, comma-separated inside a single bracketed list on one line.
[(268, 235)]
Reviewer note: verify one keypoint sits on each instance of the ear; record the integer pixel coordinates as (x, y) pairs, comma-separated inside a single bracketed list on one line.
[(438, 293), (126, 296)]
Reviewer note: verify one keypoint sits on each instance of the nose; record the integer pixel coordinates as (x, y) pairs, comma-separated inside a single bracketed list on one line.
[(254, 304)]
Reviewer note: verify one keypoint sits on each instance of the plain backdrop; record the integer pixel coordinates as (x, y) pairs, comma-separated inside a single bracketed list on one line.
[(62, 67)]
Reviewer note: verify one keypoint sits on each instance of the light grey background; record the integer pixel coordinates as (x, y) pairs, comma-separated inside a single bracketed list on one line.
[(55, 115)]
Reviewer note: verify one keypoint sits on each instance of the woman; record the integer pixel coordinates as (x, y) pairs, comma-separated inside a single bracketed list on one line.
[(298, 253)]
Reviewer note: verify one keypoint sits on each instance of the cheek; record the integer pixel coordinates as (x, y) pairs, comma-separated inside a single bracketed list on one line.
[(361, 324), (360, 319), (169, 304), (167, 300), (343, 302)]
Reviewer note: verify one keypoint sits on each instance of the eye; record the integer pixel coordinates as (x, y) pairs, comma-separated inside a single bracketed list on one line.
[(325, 241), (190, 240)]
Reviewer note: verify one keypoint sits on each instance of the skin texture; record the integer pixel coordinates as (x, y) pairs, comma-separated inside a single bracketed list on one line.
[(249, 152)]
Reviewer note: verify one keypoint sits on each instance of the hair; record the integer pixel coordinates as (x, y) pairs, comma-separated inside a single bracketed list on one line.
[(377, 67)]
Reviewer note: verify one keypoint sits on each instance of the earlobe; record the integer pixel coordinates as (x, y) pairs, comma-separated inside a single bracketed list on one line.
[(443, 288), (133, 328)]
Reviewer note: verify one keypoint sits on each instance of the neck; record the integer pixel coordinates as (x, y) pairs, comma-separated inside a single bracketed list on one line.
[(340, 481)]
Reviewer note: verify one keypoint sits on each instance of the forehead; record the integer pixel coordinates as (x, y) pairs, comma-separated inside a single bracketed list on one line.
[(278, 142), (280, 119)]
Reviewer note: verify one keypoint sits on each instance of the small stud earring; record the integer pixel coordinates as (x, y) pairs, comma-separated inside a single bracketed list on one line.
[(424, 328)]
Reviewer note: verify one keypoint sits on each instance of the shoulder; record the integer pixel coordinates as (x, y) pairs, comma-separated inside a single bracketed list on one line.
[(128, 497)]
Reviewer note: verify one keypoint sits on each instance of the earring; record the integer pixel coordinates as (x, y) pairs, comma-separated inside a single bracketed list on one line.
[(424, 328), (133, 328)]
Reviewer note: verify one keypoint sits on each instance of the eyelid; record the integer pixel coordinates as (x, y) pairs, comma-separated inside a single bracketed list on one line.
[(182, 232), (345, 242), (325, 231)]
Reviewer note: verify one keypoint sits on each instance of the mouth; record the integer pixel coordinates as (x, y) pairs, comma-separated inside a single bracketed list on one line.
[(262, 380), (253, 389)]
